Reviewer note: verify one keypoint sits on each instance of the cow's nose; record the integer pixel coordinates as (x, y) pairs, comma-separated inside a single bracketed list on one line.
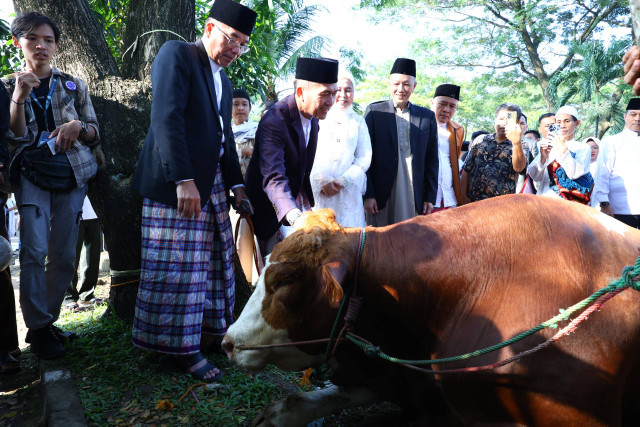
[(227, 346)]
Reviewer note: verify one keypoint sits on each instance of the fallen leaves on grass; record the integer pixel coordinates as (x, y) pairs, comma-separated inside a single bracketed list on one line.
[(304, 381), (165, 405)]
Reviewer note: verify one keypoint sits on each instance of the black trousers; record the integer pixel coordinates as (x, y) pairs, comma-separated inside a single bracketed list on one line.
[(89, 236), (8, 326), (630, 220)]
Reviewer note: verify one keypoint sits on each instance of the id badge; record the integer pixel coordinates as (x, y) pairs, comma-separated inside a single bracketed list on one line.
[(44, 137)]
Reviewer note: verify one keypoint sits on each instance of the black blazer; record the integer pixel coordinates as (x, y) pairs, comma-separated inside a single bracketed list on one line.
[(381, 121), (185, 134), (280, 166)]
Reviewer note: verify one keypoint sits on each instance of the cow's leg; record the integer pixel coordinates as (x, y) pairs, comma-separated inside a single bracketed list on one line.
[(301, 408)]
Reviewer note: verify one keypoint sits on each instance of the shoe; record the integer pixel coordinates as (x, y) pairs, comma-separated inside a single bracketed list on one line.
[(197, 366), (63, 336), (45, 343), (9, 365), (96, 301)]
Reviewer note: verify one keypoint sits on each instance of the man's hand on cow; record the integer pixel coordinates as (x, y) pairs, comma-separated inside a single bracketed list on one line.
[(607, 210), (188, 199), (371, 206), (331, 188), (631, 68), (427, 208)]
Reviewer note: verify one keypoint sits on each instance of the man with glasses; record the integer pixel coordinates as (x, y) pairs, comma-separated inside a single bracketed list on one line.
[(187, 166)]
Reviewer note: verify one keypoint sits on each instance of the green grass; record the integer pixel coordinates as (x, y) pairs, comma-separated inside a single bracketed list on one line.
[(120, 384)]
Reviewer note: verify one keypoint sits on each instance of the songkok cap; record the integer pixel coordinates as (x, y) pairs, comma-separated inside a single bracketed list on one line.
[(634, 104), (568, 109), (404, 66), (241, 93), (318, 70), (452, 91), (235, 15)]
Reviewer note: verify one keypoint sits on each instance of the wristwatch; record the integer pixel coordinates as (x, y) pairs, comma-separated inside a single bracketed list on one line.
[(604, 204), (85, 128)]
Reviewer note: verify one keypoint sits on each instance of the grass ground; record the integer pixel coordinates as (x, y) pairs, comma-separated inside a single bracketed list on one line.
[(120, 384)]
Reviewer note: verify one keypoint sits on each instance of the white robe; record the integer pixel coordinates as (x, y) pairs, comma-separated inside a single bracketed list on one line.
[(618, 173), (343, 154)]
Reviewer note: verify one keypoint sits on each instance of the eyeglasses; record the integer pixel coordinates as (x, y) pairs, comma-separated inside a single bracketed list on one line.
[(232, 43)]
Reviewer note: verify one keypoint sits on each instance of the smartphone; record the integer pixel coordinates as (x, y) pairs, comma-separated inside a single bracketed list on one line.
[(554, 129)]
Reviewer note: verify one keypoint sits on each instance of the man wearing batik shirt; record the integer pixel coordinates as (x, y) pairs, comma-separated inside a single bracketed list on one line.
[(494, 162), (617, 187)]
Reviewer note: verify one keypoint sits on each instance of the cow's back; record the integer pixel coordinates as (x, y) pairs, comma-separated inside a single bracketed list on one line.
[(496, 268)]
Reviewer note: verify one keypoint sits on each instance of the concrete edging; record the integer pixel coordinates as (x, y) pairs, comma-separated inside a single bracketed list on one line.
[(62, 406)]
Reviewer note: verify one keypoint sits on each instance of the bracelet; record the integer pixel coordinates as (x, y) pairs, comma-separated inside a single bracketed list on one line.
[(17, 103)]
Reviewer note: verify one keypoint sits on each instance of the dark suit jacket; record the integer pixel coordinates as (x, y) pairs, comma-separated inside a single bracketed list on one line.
[(280, 165), (381, 120), (185, 134)]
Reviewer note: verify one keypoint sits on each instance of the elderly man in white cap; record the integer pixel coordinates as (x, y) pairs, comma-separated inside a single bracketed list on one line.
[(561, 169)]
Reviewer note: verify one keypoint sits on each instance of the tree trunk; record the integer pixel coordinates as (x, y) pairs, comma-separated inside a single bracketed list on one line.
[(163, 20), (123, 108)]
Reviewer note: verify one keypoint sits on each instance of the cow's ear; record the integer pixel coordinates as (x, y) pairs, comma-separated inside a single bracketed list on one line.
[(333, 274)]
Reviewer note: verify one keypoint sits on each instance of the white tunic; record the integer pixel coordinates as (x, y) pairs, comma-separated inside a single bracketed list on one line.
[(574, 167), (618, 174), (446, 196), (343, 154)]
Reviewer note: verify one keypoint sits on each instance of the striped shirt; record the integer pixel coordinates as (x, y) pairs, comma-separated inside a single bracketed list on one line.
[(70, 101)]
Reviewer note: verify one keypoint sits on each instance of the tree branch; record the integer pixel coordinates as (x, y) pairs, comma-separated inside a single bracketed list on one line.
[(593, 22)]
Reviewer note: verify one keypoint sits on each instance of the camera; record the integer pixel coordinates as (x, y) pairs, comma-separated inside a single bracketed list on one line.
[(554, 129)]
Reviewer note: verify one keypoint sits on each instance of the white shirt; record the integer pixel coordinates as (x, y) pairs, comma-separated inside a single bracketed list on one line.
[(446, 195), (217, 83), (574, 167), (618, 173), (87, 209), (306, 128)]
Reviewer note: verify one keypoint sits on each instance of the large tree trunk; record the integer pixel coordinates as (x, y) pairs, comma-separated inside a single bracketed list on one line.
[(123, 109)]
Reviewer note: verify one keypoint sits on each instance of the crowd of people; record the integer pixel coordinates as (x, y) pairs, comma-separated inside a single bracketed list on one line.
[(310, 150)]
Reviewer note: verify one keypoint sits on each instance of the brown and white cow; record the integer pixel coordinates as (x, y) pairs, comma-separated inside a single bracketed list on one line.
[(447, 284)]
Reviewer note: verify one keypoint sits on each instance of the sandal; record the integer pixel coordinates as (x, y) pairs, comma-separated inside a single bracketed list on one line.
[(198, 367), (71, 306), (9, 364)]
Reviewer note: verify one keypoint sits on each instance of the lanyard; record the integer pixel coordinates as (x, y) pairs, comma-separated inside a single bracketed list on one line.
[(52, 86)]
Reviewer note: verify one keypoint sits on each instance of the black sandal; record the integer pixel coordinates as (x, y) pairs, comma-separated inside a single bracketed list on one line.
[(192, 365)]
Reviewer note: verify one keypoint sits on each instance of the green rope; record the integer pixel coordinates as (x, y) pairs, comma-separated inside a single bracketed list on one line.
[(628, 279), (343, 304)]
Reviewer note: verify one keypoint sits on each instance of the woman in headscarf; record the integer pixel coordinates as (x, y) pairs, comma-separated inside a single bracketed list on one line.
[(338, 177)]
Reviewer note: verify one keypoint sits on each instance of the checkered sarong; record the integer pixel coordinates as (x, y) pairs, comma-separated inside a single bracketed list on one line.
[(187, 284)]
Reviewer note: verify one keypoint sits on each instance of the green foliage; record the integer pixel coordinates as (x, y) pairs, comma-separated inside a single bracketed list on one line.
[(281, 35), (10, 60), (529, 39), (112, 14)]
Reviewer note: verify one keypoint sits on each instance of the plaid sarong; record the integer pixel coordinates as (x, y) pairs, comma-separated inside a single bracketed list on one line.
[(187, 283)]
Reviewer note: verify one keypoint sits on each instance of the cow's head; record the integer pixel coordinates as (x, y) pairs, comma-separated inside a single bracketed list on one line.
[(296, 298)]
